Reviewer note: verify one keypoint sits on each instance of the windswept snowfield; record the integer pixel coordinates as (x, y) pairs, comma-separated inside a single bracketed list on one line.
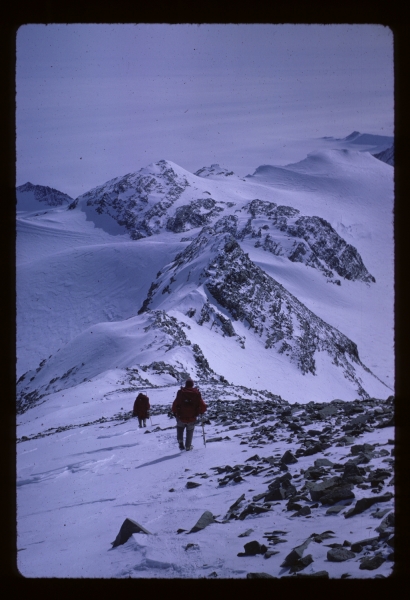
[(273, 290)]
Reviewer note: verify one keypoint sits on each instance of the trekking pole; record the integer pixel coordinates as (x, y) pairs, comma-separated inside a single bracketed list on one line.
[(203, 432)]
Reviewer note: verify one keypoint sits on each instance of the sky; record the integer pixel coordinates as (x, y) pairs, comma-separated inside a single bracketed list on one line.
[(97, 101)]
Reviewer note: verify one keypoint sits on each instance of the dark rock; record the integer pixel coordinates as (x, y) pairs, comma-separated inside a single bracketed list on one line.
[(259, 576), (313, 449), (252, 509), (318, 575), (296, 554), (358, 546), (292, 505), (288, 458), (358, 448), (237, 502), (328, 411), (192, 484), (314, 473), (317, 490), (270, 553), (323, 462), (254, 547), (365, 503), (350, 469), (319, 537), (127, 529), (343, 492), (387, 522), (194, 546), (205, 520), (371, 563), (334, 510), (314, 432), (339, 554), (302, 512), (246, 533), (301, 563)]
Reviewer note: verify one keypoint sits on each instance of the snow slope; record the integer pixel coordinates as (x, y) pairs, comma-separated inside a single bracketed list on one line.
[(77, 482)]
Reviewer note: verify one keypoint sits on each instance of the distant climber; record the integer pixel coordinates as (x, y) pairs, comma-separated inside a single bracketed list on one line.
[(141, 409), (187, 406)]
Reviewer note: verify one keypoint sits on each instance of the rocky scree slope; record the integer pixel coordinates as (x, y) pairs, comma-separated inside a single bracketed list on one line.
[(303, 481)]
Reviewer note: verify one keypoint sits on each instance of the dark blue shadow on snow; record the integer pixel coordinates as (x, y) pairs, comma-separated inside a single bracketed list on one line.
[(153, 462)]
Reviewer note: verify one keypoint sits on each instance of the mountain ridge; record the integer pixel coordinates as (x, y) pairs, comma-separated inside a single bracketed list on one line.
[(219, 217)]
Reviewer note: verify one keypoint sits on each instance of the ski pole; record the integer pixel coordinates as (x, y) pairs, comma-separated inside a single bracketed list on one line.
[(203, 432)]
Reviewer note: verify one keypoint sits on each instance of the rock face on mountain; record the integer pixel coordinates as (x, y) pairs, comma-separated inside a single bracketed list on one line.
[(386, 156), (44, 194), (139, 201), (312, 240), (259, 302), (149, 202), (214, 170)]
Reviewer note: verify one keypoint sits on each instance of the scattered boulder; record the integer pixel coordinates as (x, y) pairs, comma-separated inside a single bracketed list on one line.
[(253, 509), (192, 484), (334, 510), (301, 563), (280, 488), (323, 462), (270, 553), (314, 449), (387, 522), (205, 519), (358, 448), (288, 458), (302, 512), (339, 554), (317, 490), (237, 502), (365, 503), (328, 411), (358, 546), (253, 548), (336, 494), (246, 533), (318, 575), (127, 529), (191, 546), (371, 563), (296, 554)]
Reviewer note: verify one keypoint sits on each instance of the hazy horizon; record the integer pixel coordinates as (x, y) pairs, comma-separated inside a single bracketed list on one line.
[(97, 101)]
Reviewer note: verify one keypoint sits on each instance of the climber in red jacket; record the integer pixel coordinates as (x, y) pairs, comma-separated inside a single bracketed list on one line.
[(187, 406), (141, 408)]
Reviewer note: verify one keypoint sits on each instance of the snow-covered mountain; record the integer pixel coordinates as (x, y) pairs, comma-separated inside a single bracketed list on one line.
[(363, 141), (386, 156), (275, 293), (287, 272)]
